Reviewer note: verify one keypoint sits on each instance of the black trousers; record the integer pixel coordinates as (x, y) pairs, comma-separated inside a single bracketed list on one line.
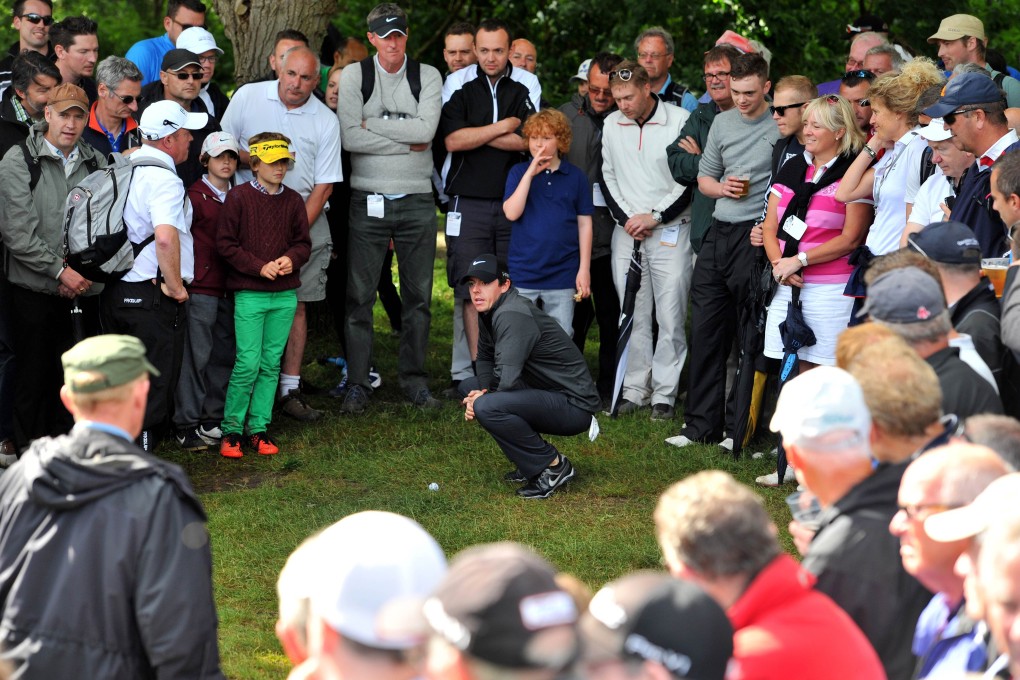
[(42, 330), (517, 420), (603, 307), (720, 285), (142, 310)]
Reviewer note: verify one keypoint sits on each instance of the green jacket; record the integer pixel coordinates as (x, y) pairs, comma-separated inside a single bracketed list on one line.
[(32, 223), (684, 167)]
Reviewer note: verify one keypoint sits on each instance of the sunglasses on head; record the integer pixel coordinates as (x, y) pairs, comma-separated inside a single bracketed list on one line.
[(37, 18), (950, 118), (624, 74), (781, 110), (184, 75), (859, 73)]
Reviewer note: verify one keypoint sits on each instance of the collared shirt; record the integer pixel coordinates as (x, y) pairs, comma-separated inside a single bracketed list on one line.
[(928, 201), (465, 75), (157, 197), (897, 179), (947, 642), (261, 189), (67, 160), (20, 112), (221, 195), (995, 150)]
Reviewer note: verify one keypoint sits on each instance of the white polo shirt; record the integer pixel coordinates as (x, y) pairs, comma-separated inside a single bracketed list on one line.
[(313, 129), (897, 179), (157, 196), (928, 200)]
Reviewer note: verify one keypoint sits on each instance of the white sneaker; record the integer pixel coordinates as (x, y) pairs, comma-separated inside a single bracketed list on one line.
[(772, 479), (210, 435), (680, 441), (761, 454), (727, 444), (374, 379)]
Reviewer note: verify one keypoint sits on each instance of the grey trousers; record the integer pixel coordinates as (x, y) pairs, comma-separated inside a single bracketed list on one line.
[(411, 223), (208, 360)]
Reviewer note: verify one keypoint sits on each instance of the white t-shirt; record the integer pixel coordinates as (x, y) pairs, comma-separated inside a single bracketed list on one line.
[(928, 200), (157, 196)]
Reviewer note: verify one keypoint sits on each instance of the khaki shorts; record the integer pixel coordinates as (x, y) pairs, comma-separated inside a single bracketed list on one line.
[(313, 274)]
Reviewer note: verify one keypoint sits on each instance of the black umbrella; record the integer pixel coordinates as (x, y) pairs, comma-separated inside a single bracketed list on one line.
[(750, 375), (630, 292), (77, 326), (796, 334)]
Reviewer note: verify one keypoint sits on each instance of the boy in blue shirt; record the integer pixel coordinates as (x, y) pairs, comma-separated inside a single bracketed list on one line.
[(549, 202)]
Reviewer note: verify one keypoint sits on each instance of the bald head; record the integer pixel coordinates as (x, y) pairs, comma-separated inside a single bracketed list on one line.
[(523, 54), (299, 75)]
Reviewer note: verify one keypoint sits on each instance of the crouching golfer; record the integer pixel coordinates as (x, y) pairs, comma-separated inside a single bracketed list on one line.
[(530, 379)]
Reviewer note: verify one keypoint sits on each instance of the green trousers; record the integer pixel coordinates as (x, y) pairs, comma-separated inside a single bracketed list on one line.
[(262, 324)]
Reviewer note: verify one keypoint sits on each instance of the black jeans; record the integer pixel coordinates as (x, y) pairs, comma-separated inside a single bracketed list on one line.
[(517, 419)]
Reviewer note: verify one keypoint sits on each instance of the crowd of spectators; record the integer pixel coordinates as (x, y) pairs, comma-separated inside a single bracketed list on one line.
[(879, 211)]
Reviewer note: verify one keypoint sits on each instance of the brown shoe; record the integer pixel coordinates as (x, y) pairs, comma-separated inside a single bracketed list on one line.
[(8, 453), (297, 408)]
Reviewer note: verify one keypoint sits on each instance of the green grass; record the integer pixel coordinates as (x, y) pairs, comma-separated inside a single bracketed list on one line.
[(260, 509)]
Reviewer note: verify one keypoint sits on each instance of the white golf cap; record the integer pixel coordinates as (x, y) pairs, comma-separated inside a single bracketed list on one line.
[(936, 131), (819, 401), (582, 71), (166, 117), (217, 142), (377, 569), (198, 40), (995, 502)]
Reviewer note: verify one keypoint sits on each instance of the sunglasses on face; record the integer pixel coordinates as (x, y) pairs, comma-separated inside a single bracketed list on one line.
[(37, 18), (863, 102), (781, 110), (859, 73), (126, 98), (623, 74), (183, 75), (950, 118)]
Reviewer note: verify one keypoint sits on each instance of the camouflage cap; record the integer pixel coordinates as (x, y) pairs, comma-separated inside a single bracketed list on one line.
[(104, 361)]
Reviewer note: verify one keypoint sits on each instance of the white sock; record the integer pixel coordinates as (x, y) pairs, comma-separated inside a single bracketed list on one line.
[(289, 383)]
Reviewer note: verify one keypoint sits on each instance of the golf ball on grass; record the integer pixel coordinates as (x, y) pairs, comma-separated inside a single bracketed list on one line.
[(433, 487)]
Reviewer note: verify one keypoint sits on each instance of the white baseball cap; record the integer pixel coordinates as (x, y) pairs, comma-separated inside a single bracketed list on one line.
[(164, 118), (198, 40), (377, 569), (935, 131), (582, 71), (218, 142), (995, 502), (819, 401)]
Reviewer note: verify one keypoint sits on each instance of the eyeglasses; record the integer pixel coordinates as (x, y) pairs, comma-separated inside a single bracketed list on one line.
[(913, 512), (185, 27), (599, 92), (184, 75), (37, 19), (781, 110), (650, 55), (715, 76), (126, 98), (209, 60), (859, 73), (950, 118), (624, 74)]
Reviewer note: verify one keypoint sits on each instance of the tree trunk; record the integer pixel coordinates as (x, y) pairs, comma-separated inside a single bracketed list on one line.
[(252, 25)]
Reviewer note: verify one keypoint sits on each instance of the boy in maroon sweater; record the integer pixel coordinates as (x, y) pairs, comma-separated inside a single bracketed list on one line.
[(263, 236), (209, 352)]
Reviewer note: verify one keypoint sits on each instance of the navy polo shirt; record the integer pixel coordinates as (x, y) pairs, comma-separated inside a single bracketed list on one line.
[(544, 248)]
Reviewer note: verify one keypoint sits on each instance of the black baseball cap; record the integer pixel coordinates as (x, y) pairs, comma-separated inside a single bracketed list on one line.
[(500, 603), (948, 243), (385, 25), (652, 616), (176, 59), (864, 24), (485, 268)]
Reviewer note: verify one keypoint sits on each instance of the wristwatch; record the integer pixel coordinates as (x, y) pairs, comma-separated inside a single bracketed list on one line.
[(657, 216), (802, 257)]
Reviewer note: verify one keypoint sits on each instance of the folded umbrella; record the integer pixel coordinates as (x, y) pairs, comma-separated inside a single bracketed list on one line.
[(630, 291)]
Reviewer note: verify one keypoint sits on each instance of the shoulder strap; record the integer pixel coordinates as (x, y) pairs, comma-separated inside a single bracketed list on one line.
[(927, 166), (91, 164), (999, 78), (367, 78), (34, 171)]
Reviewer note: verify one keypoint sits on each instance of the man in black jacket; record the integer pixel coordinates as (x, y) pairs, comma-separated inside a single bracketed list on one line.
[(105, 569), (22, 104), (531, 379)]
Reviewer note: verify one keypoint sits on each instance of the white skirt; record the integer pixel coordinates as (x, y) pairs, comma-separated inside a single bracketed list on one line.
[(826, 312)]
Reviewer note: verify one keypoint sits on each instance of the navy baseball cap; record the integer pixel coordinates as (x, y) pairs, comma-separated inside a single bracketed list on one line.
[(965, 90), (947, 242), (904, 295), (485, 268)]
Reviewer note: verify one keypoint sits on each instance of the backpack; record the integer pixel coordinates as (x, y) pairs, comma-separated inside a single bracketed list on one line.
[(368, 78), (927, 165), (96, 243)]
